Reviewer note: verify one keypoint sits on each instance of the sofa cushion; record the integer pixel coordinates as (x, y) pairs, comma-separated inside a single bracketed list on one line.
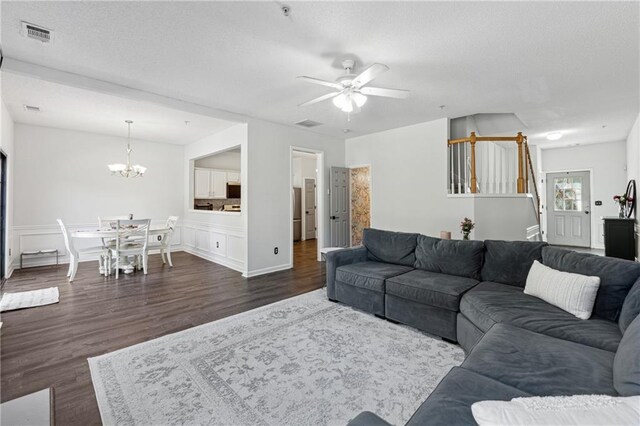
[(390, 247), (574, 293), (508, 262), (367, 418), (541, 365), (626, 366), (461, 258), (489, 303), (430, 288), (450, 403), (630, 307), (617, 276), (369, 275)]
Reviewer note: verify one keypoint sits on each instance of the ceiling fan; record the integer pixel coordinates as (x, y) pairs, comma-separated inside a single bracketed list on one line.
[(352, 90)]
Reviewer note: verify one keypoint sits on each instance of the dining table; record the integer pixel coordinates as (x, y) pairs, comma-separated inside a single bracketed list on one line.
[(107, 234)]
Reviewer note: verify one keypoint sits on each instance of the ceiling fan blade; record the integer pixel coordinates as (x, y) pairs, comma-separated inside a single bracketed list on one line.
[(369, 74), (333, 84), (321, 98), (387, 93)]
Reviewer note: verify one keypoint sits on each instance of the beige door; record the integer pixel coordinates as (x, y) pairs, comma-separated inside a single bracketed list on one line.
[(569, 209)]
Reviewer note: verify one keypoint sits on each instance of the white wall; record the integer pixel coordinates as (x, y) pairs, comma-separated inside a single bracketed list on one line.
[(270, 190), (63, 174), (217, 236), (409, 179), (228, 160), (633, 152), (7, 145), (607, 162)]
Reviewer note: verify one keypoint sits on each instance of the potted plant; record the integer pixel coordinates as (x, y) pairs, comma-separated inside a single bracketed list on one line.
[(465, 227)]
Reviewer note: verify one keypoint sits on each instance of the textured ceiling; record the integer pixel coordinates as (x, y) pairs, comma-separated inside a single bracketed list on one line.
[(569, 66), (88, 111)]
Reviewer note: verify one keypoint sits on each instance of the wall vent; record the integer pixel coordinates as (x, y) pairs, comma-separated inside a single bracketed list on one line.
[(31, 108), (308, 123), (37, 33)]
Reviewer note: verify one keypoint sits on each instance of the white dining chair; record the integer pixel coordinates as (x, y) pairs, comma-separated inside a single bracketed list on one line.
[(106, 223), (76, 253), (165, 242), (132, 240)]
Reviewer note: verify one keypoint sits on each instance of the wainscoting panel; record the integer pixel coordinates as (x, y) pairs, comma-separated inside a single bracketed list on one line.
[(40, 237), (220, 244)]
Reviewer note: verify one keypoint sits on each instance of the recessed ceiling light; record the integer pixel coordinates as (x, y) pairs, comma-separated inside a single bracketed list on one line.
[(554, 136)]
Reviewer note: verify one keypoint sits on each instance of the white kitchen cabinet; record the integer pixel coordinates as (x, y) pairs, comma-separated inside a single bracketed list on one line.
[(210, 184), (218, 184), (202, 183), (233, 177)]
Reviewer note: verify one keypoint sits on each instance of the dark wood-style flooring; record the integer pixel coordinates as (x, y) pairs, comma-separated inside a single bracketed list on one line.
[(48, 346)]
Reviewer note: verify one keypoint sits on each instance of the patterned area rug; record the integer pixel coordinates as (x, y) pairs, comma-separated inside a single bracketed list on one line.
[(29, 299), (301, 361)]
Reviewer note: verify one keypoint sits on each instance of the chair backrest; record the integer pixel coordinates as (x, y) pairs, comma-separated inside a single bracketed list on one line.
[(109, 222), (68, 241), (171, 222), (133, 231)]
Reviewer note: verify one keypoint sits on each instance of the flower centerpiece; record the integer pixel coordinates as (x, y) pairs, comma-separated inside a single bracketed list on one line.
[(465, 227), (623, 201)]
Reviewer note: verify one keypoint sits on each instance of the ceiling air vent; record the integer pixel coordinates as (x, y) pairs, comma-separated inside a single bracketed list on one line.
[(31, 108), (37, 33), (308, 123)]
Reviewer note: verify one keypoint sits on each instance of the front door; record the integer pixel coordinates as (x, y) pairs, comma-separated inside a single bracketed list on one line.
[(309, 209), (339, 207), (569, 209)]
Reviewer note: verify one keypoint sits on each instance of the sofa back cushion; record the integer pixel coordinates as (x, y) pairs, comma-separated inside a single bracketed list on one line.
[(508, 262), (390, 247), (626, 364), (461, 258), (630, 307), (617, 276)]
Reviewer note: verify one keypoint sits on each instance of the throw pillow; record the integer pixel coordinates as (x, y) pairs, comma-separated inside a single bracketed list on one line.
[(573, 293), (559, 410)]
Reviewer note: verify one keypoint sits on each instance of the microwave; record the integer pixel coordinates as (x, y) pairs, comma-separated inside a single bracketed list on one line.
[(233, 190)]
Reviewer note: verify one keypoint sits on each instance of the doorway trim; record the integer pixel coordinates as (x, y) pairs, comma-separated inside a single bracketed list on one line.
[(320, 195), (6, 244), (543, 198)]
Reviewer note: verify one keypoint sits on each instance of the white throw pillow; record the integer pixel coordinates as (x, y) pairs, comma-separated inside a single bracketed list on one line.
[(559, 410), (573, 293)]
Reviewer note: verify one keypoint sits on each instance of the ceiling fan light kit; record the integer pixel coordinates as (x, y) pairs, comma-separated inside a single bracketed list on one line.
[(351, 93)]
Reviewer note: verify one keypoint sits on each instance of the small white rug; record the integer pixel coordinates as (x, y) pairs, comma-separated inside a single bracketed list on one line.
[(29, 299), (301, 361)]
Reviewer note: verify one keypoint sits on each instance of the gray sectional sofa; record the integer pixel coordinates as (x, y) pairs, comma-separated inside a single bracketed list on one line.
[(471, 292)]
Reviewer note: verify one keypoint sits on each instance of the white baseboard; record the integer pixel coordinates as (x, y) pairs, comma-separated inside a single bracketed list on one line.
[(268, 270), (220, 260)]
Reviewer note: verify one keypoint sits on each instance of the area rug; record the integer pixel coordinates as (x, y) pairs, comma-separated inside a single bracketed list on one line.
[(29, 299), (301, 361)]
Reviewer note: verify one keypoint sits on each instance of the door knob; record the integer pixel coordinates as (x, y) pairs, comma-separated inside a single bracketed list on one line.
[(586, 212), (333, 217)]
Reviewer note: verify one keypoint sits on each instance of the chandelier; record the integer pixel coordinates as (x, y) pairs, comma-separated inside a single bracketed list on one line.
[(127, 170)]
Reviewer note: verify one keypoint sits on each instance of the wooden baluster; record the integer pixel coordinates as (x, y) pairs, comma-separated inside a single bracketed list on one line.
[(474, 180), (519, 140)]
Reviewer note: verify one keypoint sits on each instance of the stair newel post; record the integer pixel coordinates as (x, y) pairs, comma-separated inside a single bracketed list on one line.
[(527, 158), (519, 140), (474, 180)]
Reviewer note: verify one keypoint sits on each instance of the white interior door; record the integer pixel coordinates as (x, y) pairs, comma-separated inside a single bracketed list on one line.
[(569, 209), (309, 209), (340, 220)]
